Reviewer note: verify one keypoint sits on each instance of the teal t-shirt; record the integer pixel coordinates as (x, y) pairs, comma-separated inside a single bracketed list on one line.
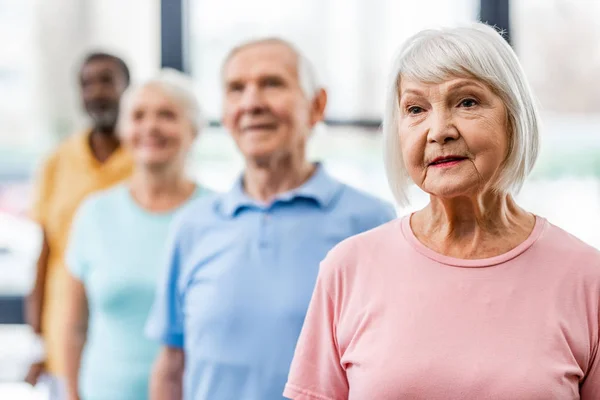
[(115, 249)]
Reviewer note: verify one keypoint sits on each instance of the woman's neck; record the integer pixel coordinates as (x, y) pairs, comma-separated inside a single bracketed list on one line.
[(473, 227), (160, 190)]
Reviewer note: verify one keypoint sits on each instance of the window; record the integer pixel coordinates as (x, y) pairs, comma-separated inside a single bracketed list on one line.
[(556, 42), (351, 42), (19, 127), (17, 132), (18, 100)]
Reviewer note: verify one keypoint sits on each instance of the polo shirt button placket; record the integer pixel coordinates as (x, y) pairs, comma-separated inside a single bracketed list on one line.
[(264, 234)]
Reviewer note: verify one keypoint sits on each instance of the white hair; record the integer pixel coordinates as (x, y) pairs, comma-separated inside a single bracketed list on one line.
[(479, 52), (174, 84), (307, 76)]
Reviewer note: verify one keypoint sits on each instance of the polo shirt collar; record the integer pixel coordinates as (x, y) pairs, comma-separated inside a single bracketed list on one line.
[(320, 187)]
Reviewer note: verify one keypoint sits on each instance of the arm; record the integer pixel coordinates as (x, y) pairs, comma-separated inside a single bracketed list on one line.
[(166, 382), (34, 305), (76, 328), (39, 213), (78, 264), (589, 388), (35, 301), (166, 325)]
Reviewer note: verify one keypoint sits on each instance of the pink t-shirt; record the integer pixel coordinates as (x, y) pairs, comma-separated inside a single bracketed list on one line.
[(391, 319)]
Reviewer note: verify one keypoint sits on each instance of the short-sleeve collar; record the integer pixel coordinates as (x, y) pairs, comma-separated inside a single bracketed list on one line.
[(320, 187)]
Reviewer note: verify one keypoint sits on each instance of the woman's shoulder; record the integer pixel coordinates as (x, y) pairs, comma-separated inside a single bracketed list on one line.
[(566, 248), (203, 190), (103, 200), (360, 249)]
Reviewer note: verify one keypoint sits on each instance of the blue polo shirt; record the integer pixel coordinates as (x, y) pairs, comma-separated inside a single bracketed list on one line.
[(239, 277)]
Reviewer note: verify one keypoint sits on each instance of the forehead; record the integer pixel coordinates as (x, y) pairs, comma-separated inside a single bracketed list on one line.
[(153, 96), (413, 86), (261, 59), (100, 66)]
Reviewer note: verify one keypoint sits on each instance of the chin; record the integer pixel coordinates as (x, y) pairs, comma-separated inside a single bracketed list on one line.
[(258, 153), (452, 191), (154, 163)]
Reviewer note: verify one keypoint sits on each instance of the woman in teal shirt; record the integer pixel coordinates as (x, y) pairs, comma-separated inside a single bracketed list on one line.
[(116, 244)]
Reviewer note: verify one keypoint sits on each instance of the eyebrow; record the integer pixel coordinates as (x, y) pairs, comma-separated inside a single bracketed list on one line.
[(231, 82), (454, 86), (465, 83), (261, 79), (416, 92), (272, 75)]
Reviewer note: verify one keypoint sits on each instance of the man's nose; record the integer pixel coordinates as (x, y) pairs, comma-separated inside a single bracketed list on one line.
[(253, 100)]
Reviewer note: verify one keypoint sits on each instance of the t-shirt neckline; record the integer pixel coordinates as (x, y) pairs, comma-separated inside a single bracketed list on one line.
[(198, 191), (538, 229)]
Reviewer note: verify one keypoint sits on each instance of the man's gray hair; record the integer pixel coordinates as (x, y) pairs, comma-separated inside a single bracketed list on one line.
[(479, 52), (307, 76), (177, 86)]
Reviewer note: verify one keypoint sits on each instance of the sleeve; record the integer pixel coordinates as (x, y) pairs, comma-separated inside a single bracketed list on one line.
[(77, 254), (43, 184), (316, 372), (165, 322), (590, 388)]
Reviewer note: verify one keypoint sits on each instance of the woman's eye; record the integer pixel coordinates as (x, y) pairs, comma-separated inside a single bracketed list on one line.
[(414, 110), (468, 103), (167, 114)]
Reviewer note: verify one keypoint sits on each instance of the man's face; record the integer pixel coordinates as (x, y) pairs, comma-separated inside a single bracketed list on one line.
[(102, 84), (265, 108)]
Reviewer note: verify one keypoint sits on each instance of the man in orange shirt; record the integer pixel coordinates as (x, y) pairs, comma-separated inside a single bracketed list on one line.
[(84, 163)]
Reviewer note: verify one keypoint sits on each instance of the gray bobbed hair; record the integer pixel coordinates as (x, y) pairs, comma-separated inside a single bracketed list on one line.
[(479, 52)]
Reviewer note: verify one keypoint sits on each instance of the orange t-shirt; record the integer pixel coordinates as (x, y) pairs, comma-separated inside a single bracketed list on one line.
[(67, 177)]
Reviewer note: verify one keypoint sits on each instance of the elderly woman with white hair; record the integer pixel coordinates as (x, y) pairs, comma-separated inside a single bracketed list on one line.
[(116, 244), (471, 297)]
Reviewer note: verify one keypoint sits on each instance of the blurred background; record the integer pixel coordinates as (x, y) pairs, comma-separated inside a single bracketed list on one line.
[(351, 42)]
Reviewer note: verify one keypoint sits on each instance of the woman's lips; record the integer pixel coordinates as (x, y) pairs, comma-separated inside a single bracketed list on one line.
[(446, 161)]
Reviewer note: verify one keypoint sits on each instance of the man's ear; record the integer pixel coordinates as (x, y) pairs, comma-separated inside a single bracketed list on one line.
[(319, 103)]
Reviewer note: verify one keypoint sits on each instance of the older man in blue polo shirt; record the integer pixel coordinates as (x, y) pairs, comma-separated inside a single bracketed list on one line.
[(242, 265)]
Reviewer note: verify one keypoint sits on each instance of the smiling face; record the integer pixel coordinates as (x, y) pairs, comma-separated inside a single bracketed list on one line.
[(265, 109), (102, 83), (454, 135), (156, 129)]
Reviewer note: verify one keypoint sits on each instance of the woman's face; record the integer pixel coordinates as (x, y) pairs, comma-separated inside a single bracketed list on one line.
[(156, 129), (454, 135)]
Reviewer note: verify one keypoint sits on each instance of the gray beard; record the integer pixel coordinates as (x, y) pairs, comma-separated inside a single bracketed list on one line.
[(104, 119)]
